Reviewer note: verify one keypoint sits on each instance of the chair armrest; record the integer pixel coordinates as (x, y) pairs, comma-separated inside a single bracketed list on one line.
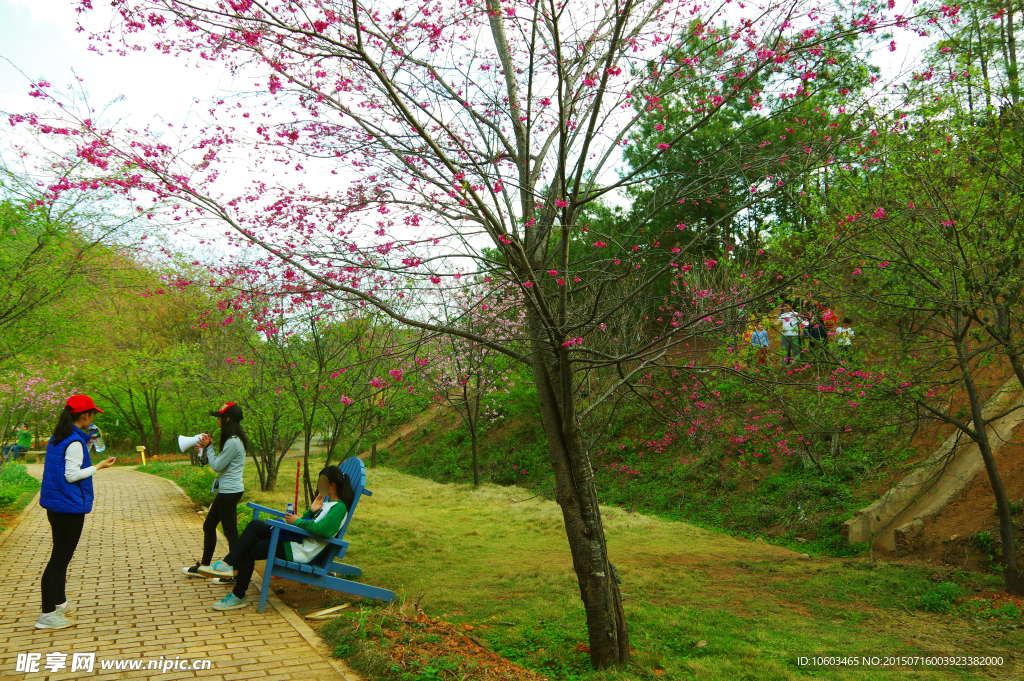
[(264, 509), (291, 528), (367, 492), (298, 530)]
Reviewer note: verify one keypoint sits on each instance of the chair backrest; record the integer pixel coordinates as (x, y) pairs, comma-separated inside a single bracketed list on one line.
[(355, 470)]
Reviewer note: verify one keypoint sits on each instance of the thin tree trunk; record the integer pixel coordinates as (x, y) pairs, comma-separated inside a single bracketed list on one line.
[(1011, 43), (473, 411), (1011, 569), (577, 497)]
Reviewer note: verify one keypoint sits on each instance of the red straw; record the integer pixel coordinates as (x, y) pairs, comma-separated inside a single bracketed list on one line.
[(298, 468)]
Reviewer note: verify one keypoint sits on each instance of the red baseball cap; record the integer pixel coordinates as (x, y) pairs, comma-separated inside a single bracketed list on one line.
[(80, 403), (230, 410)]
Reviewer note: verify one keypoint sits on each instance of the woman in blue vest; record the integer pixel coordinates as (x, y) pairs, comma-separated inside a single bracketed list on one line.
[(67, 496)]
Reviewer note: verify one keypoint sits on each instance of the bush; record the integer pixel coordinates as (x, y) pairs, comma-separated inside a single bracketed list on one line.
[(941, 598), (15, 485), (196, 481)]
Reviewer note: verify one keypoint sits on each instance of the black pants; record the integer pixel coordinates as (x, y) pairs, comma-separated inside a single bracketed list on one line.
[(253, 545), (222, 511), (66, 529)]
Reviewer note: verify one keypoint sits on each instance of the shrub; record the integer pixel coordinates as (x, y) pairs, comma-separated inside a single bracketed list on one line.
[(941, 597)]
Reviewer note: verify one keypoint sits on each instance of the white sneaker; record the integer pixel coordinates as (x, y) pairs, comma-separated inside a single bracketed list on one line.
[(193, 571), (67, 609), (54, 620)]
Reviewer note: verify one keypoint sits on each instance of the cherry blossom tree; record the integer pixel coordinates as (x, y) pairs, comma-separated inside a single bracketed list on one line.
[(32, 395), (465, 372), (469, 138)]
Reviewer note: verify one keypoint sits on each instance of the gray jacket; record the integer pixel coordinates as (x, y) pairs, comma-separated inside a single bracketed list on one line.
[(229, 466)]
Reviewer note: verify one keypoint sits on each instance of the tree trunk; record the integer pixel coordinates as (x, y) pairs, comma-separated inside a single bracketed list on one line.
[(373, 455), (1011, 568), (1011, 44), (308, 484), (271, 476), (577, 497), (472, 440), (473, 411)]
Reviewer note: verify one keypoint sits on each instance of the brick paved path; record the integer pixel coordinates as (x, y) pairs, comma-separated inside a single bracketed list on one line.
[(133, 600)]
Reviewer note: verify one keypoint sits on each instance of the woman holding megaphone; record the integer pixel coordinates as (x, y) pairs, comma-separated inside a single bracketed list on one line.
[(230, 467)]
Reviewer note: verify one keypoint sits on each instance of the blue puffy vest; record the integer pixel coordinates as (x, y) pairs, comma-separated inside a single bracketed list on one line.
[(57, 494)]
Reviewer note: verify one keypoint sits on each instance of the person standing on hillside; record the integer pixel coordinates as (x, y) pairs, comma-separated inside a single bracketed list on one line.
[(230, 468), (759, 343), (817, 335), (844, 339), (790, 323), (67, 495)]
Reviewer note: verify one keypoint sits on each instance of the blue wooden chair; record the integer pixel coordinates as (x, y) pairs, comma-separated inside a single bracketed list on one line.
[(317, 572)]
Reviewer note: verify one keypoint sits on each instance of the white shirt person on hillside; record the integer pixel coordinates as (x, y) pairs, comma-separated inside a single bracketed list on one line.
[(791, 323)]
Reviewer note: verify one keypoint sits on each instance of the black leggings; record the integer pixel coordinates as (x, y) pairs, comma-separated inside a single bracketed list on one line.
[(66, 529), (253, 545), (222, 511)]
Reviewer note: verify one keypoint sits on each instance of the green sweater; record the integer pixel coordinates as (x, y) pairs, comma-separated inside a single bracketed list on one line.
[(325, 524), (25, 438)]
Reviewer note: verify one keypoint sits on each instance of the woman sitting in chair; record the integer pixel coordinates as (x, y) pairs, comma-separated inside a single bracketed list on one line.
[(323, 519)]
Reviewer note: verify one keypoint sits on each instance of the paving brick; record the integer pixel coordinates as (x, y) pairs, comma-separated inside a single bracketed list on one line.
[(146, 608)]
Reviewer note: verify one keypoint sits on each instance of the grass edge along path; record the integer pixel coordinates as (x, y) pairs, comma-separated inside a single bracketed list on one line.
[(17, 489), (473, 557)]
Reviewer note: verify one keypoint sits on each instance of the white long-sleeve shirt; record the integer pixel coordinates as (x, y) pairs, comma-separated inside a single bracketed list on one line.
[(73, 471)]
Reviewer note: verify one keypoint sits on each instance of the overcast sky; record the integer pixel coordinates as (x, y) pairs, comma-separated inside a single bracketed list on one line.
[(39, 38)]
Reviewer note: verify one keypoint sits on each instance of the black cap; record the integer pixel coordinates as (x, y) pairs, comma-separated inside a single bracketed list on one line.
[(229, 410)]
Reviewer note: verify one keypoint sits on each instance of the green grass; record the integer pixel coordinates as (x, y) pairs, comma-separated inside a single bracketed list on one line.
[(789, 505), (476, 558), (17, 488)]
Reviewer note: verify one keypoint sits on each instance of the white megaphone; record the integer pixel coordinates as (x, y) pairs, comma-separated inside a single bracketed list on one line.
[(186, 443)]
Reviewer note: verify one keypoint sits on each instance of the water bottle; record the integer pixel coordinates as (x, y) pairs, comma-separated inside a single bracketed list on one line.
[(291, 509), (98, 443)]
